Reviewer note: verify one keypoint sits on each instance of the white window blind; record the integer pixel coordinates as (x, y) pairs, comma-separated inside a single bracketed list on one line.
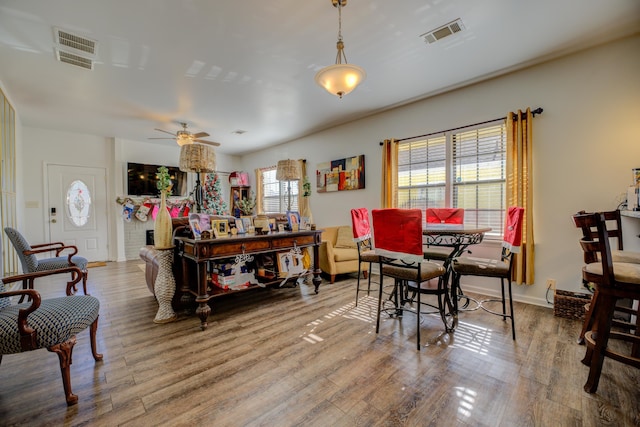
[(464, 168), (274, 193)]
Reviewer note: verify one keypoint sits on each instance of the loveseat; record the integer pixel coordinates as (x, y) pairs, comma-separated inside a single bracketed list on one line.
[(339, 253)]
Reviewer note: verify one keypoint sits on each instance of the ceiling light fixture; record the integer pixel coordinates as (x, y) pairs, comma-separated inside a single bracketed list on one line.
[(340, 79)]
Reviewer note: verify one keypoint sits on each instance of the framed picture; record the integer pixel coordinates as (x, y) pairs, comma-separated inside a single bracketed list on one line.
[(289, 264), (293, 218), (247, 221), (262, 223), (305, 224), (220, 227), (194, 223), (240, 226)]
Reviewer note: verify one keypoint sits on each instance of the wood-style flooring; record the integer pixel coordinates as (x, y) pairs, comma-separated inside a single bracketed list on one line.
[(285, 357)]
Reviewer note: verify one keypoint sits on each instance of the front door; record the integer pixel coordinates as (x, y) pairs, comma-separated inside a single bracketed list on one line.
[(78, 209)]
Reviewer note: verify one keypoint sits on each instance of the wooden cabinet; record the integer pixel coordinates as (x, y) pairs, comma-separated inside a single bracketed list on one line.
[(238, 193)]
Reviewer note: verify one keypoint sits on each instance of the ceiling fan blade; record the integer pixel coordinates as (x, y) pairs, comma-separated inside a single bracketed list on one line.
[(199, 135), (165, 131), (204, 141), (163, 138)]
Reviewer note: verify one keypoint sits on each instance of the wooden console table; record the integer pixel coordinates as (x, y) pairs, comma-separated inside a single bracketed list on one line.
[(199, 252)]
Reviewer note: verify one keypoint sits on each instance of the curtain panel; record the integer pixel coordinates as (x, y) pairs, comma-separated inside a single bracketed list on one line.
[(520, 188)]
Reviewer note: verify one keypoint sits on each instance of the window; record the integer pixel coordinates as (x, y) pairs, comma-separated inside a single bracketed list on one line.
[(275, 197), (464, 168)]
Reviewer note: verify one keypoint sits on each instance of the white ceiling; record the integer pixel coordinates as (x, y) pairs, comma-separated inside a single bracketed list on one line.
[(223, 66)]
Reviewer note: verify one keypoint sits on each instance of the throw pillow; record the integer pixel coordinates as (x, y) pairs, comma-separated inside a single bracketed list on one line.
[(345, 238)]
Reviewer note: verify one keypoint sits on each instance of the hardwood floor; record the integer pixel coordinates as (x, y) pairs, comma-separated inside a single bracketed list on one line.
[(286, 357)]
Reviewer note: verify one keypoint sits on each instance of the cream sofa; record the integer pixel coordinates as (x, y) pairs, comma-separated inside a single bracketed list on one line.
[(339, 253)]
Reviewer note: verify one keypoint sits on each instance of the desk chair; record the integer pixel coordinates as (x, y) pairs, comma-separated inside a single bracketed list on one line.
[(498, 268), (31, 263), (398, 243), (442, 216), (362, 236), (613, 281)]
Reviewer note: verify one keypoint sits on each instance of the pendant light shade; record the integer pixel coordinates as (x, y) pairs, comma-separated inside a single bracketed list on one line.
[(341, 78)]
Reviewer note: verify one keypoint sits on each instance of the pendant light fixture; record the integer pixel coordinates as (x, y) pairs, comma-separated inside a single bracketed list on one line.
[(341, 78)]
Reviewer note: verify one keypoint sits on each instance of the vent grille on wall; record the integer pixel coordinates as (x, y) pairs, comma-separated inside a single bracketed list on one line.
[(443, 31), (74, 49)]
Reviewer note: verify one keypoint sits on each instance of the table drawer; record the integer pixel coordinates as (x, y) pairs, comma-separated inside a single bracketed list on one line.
[(236, 248), (288, 242)]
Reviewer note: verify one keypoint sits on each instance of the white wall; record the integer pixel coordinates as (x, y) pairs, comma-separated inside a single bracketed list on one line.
[(585, 145), (47, 146)]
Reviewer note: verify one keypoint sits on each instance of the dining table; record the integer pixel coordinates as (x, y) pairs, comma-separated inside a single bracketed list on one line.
[(457, 238)]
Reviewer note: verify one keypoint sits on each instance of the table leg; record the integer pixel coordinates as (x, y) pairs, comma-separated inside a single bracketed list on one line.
[(316, 268), (202, 299)]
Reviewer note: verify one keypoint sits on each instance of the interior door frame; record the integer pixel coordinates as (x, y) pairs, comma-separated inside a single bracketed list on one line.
[(46, 203)]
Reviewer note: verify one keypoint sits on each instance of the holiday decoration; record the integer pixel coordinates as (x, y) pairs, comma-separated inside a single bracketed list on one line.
[(213, 204)]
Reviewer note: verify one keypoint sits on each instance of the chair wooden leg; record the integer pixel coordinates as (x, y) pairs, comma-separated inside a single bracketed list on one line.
[(588, 317), (85, 273), (92, 333), (333, 278), (513, 317), (365, 274), (64, 351), (600, 334)]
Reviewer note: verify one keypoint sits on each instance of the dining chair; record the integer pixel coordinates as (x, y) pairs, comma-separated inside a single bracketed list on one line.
[(613, 226), (613, 281), (31, 263), (498, 268), (450, 216), (47, 323), (398, 243), (362, 235)]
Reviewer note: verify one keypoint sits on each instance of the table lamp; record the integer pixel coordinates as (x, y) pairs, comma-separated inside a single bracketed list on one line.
[(288, 170), (199, 159)]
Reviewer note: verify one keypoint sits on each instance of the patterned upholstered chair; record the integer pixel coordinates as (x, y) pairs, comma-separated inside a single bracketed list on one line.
[(31, 263), (47, 323)]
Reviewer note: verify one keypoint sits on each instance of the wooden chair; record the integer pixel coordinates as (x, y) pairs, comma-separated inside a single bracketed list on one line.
[(453, 216), (398, 243), (49, 323), (362, 235), (31, 263), (613, 225), (498, 268), (613, 281)]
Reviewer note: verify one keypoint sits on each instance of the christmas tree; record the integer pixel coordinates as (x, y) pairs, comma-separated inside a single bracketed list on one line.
[(213, 204)]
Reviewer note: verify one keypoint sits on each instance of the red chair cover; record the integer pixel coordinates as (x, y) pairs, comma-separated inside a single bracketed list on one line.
[(360, 224), (445, 216), (397, 233), (513, 229)]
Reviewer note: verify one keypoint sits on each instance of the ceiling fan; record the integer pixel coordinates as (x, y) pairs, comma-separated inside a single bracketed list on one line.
[(184, 137)]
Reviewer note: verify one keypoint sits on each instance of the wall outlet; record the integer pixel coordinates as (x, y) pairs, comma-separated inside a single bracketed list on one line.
[(551, 284)]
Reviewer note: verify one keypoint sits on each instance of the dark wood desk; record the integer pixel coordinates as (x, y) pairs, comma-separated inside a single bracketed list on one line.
[(199, 252)]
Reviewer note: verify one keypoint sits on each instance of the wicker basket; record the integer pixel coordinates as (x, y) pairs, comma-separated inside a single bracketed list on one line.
[(570, 305)]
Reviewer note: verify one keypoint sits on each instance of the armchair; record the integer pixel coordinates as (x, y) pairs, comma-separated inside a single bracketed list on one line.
[(47, 323), (31, 263)]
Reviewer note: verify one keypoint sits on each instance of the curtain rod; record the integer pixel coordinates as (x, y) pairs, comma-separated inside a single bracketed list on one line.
[(533, 113)]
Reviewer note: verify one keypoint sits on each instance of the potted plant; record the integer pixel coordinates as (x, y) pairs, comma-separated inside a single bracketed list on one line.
[(247, 205)]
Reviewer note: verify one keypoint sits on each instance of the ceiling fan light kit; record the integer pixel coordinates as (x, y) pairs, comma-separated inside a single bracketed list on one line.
[(184, 137), (341, 78)]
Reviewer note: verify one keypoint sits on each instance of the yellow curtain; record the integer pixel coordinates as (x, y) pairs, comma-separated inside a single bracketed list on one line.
[(389, 192), (259, 195), (303, 202), (520, 188)]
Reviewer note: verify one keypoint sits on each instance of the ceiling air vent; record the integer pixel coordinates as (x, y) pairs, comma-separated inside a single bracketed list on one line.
[(73, 59), (82, 44), (444, 31)]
